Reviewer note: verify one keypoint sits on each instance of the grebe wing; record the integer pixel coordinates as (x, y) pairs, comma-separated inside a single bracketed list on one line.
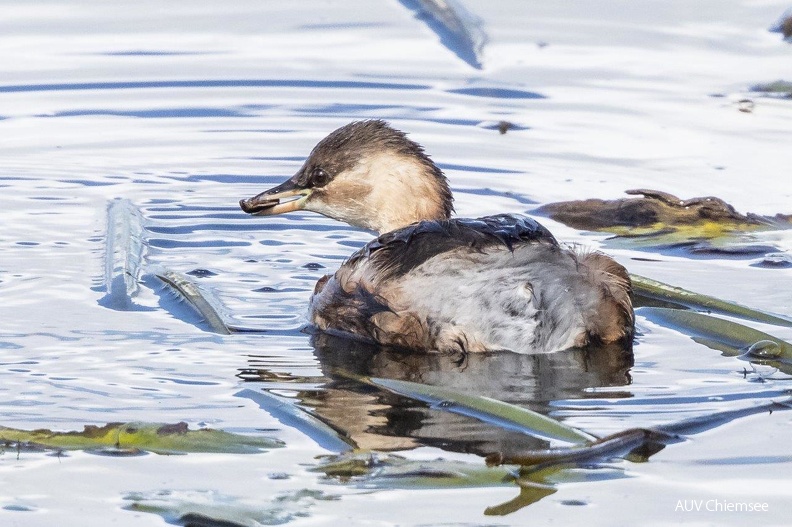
[(398, 252)]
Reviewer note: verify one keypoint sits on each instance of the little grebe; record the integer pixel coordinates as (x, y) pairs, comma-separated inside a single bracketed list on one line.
[(431, 282)]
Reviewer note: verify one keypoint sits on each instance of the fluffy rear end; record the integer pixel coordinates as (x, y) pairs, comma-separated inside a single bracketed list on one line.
[(610, 319)]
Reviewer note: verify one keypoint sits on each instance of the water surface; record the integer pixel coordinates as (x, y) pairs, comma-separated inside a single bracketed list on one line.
[(187, 108)]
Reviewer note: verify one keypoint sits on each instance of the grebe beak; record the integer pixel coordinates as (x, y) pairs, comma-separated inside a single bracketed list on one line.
[(286, 197)]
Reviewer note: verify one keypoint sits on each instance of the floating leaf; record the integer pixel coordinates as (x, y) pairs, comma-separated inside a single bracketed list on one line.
[(647, 290), (151, 437)]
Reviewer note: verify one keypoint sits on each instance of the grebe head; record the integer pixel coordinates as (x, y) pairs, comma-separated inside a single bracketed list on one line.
[(366, 174)]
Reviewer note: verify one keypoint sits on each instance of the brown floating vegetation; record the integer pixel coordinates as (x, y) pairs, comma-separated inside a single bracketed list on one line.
[(656, 211), (657, 219)]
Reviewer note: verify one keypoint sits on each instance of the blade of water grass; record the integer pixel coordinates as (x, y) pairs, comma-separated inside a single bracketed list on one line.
[(300, 419), (703, 423), (485, 409), (630, 441), (646, 289), (725, 335), (616, 445)]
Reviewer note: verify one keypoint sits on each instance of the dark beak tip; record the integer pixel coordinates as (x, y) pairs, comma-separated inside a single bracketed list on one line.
[(248, 205)]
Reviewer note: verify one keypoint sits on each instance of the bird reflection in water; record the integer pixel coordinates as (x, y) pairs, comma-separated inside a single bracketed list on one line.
[(378, 420)]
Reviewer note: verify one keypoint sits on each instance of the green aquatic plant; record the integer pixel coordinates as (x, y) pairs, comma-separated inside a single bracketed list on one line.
[(121, 438)]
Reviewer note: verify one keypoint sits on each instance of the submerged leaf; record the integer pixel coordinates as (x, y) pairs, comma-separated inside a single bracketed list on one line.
[(530, 493), (152, 437)]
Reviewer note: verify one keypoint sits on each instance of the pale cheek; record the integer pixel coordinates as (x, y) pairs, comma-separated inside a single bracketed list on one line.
[(319, 204), (342, 210)]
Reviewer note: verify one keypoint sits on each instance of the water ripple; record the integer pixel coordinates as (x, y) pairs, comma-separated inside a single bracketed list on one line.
[(211, 83)]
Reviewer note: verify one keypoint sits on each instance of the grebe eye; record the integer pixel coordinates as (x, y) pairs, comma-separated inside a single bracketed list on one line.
[(319, 177)]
